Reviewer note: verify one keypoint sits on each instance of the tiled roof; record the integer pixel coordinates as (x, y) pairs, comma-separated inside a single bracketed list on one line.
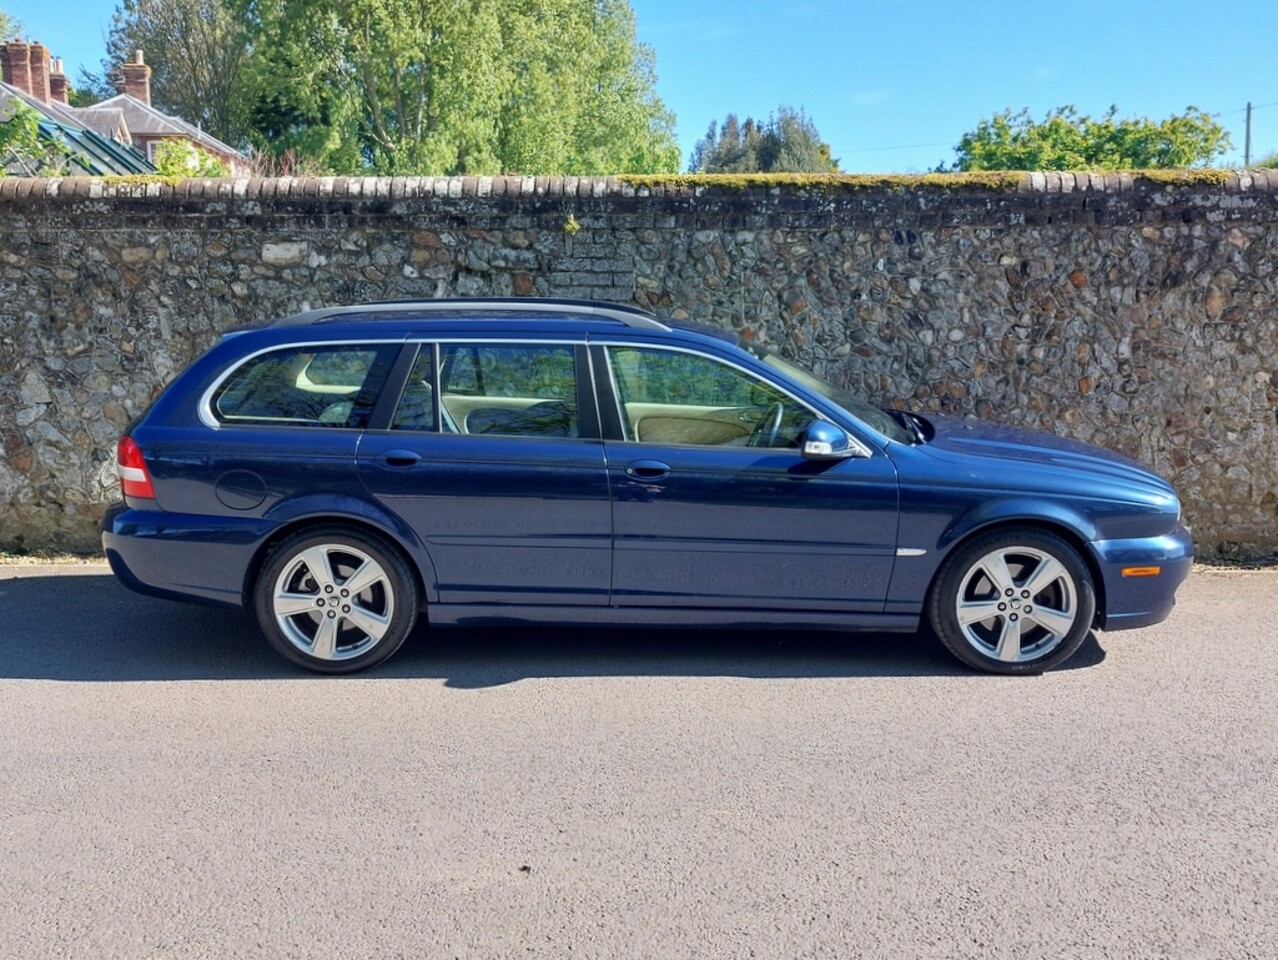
[(109, 123), (146, 121)]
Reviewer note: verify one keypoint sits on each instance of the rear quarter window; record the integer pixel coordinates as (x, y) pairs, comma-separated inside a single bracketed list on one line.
[(330, 386)]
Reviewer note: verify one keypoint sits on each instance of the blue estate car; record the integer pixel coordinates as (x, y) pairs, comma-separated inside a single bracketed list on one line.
[(343, 472)]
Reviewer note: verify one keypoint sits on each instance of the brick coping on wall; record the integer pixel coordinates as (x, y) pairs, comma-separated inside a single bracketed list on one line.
[(69, 189)]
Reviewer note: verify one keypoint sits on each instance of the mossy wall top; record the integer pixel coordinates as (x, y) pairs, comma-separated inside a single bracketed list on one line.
[(1134, 311)]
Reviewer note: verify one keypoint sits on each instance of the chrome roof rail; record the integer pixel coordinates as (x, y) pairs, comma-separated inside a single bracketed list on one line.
[(411, 309)]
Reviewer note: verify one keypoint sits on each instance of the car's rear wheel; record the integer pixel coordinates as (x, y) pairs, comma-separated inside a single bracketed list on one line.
[(1013, 601), (335, 600)]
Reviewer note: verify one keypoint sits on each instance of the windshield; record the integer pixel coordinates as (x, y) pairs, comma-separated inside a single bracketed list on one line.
[(863, 411)]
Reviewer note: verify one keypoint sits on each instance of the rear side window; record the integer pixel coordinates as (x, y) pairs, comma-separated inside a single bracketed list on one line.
[(510, 370), (334, 386), (514, 390)]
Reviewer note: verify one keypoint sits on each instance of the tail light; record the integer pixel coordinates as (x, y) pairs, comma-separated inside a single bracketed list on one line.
[(135, 479)]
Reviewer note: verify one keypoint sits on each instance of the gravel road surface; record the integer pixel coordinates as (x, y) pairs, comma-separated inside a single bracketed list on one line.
[(169, 789)]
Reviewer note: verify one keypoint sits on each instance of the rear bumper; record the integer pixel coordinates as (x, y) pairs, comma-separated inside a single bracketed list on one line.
[(181, 556), (1138, 601)]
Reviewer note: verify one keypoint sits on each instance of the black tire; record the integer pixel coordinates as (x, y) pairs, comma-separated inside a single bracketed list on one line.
[(1038, 626), (348, 629)]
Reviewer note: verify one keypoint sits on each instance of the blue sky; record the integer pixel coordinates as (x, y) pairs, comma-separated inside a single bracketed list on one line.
[(892, 86)]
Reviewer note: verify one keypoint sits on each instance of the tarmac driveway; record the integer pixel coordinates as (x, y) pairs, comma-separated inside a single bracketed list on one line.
[(169, 788)]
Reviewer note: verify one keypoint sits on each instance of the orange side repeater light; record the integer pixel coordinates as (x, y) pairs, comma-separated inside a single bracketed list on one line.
[(1142, 571)]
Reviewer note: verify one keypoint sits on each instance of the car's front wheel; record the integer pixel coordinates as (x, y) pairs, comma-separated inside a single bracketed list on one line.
[(335, 600), (1013, 601)]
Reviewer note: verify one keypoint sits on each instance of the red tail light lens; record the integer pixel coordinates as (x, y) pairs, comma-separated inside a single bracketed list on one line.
[(135, 479)]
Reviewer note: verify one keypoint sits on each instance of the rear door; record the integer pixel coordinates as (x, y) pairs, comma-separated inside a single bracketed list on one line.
[(493, 456)]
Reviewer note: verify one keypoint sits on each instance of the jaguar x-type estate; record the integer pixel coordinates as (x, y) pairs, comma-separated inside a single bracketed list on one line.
[(346, 472)]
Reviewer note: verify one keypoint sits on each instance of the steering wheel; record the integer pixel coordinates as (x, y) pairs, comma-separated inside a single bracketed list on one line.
[(769, 425)]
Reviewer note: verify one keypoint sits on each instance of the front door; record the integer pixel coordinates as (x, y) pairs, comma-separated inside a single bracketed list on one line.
[(714, 504)]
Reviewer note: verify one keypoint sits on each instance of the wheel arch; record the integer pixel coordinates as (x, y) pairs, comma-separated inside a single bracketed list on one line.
[(1066, 531), (393, 536)]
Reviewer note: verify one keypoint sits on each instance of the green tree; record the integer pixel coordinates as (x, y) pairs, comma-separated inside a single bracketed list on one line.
[(23, 151), (10, 27), (787, 142), (301, 99), (734, 148), (90, 88), (1066, 140), (181, 158), (19, 138), (196, 50), (580, 92), (476, 86)]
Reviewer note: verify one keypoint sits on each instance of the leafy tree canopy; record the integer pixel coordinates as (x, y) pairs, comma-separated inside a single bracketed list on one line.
[(404, 86), (196, 50), (181, 158), (88, 89), (19, 137), (787, 142), (10, 27), (23, 150), (1066, 140), (475, 86)]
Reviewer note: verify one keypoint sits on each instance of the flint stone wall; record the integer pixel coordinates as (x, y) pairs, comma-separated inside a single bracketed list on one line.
[(1131, 314)]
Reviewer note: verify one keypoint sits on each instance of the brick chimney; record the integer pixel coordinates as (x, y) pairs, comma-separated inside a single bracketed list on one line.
[(58, 83), (40, 72), (136, 79), (15, 65)]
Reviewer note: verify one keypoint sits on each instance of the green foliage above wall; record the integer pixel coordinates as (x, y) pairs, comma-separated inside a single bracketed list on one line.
[(477, 86), (787, 142), (1067, 140)]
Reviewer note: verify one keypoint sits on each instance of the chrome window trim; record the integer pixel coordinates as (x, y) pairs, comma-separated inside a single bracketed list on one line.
[(207, 417), (205, 407)]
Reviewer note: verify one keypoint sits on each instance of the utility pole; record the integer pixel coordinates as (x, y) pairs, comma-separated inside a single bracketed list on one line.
[(1247, 139)]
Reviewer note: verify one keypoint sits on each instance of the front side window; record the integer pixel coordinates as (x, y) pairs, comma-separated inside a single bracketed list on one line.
[(521, 390), (876, 417), (666, 396), (331, 386)]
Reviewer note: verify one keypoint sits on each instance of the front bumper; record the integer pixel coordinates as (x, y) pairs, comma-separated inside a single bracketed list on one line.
[(1138, 601)]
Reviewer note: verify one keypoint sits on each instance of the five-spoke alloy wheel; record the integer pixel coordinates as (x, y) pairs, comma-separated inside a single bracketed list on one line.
[(1013, 601), (335, 600)]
